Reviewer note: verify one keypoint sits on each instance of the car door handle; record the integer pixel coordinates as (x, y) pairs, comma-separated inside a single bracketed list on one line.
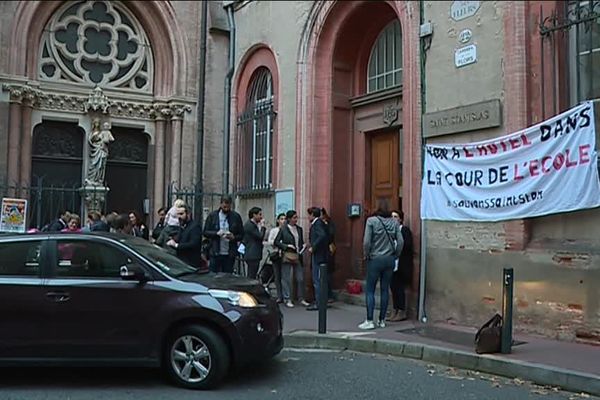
[(58, 297)]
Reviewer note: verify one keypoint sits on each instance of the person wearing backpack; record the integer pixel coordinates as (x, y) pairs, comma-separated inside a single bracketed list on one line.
[(382, 245)]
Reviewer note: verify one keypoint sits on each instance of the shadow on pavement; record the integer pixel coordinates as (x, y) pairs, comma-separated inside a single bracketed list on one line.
[(49, 378)]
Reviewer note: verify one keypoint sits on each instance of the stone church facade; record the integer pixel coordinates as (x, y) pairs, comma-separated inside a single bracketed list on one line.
[(134, 65)]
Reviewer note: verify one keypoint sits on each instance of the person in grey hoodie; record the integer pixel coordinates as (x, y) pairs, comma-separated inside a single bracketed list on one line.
[(382, 245)]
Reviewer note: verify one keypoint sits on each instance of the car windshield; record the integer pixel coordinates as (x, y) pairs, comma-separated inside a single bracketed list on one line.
[(166, 262)]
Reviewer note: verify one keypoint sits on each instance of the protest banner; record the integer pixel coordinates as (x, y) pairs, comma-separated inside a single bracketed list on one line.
[(545, 169)]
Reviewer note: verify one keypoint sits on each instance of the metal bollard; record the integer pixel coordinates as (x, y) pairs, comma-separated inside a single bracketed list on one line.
[(322, 298), (507, 310)]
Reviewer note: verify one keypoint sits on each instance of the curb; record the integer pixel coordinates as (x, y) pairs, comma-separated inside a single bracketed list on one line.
[(538, 373)]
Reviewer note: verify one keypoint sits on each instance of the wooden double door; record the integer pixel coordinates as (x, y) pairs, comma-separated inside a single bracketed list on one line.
[(385, 173)]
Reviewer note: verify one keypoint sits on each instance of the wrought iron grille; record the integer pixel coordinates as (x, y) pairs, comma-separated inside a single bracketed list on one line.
[(570, 48), (255, 131), (45, 200)]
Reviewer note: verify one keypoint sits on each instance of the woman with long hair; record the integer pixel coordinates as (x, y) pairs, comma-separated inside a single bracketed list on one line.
[(291, 242), (382, 245), (274, 257), (137, 225)]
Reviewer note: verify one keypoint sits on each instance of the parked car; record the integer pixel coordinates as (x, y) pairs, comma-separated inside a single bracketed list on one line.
[(108, 299)]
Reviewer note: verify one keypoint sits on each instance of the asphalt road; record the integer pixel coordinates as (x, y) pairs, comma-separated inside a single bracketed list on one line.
[(292, 375)]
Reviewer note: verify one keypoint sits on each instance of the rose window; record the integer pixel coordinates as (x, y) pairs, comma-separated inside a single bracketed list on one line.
[(99, 43)]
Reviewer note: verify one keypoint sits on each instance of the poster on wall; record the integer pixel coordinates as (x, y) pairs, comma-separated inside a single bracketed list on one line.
[(549, 168), (14, 215), (284, 201)]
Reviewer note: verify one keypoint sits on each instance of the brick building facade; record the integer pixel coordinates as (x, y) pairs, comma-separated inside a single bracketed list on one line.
[(349, 119), (331, 104)]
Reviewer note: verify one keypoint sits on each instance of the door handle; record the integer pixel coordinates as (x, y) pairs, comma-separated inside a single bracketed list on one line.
[(58, 297)]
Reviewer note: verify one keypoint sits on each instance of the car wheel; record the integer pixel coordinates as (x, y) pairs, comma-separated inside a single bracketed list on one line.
[(196, 357)]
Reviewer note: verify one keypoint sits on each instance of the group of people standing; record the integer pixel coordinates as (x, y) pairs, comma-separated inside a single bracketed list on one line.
[(225, 238), (67, 221), (285, 243), (286, 247)]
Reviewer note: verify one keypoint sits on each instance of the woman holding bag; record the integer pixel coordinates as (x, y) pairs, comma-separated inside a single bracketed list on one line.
[(274, 257), (291, 242), (382, 245)]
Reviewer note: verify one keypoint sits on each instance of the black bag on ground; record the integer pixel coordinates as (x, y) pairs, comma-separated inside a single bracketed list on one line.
[(489, 337)]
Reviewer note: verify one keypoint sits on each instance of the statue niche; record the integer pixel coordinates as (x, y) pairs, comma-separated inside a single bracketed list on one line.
[(99, 140)]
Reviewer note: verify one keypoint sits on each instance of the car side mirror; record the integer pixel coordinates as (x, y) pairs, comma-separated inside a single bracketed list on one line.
[(133, 272)]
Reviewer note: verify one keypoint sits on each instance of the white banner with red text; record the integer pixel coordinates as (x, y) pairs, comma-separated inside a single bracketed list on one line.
[(545, 169)]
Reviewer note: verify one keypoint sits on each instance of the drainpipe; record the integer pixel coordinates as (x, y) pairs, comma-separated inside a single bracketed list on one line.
[(198, 202), (227, 109), (423, 252)]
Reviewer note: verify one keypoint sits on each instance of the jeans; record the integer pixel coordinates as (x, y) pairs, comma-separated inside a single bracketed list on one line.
[(222, 263), (398, 296), (380, 268), (286, 280)]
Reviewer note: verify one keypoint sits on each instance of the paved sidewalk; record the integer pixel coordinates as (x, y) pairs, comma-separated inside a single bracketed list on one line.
[(571, 366)]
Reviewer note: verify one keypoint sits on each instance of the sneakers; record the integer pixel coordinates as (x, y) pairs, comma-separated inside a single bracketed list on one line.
[(305, 303), (289, 304), (367, 325)]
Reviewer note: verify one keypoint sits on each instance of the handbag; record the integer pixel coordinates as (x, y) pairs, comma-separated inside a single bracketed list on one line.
[(290, 257), (275, 256), (489, 337)]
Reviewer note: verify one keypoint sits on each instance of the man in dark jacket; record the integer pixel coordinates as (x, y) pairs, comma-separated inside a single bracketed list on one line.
[(160, 225), (59, 223), (189, 243), (319, 249), (254, 234), (225, 230)]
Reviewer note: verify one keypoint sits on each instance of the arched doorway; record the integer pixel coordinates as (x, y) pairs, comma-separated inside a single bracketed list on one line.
[(364, 130)]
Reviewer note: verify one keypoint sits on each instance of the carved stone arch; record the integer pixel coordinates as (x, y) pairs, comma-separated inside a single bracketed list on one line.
[(157, 18), (326, 118), (313, 117)]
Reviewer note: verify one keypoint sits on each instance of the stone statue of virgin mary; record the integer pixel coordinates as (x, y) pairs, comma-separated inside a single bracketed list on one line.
[(99, 140)]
